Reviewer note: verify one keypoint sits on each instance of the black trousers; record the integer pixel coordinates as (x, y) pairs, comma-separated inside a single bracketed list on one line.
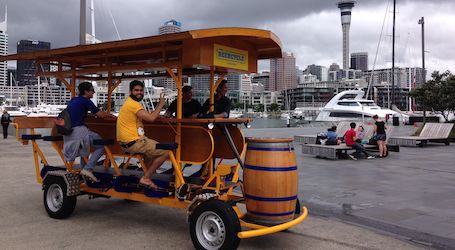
[(5, 130), (359, 149)]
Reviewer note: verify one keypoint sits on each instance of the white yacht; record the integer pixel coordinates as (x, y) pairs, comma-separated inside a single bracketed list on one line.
[(350, 105), (13, 111)]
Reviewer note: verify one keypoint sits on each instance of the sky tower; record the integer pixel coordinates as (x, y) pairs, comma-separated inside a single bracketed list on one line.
[(345, 9)]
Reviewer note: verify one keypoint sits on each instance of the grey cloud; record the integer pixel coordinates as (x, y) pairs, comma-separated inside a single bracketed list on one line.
[(317, 42)]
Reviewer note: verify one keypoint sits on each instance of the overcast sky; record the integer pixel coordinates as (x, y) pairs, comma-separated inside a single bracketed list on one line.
[(311, 29)]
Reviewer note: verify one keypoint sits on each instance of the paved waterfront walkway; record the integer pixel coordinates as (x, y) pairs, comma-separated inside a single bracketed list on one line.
[(117, 224), (411, 192)]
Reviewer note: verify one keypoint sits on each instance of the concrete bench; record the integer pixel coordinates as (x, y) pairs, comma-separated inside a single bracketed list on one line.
[(431, 132)]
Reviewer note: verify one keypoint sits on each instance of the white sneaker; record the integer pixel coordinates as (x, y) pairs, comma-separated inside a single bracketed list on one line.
[(370, 157), (353, 157), (89, 174)]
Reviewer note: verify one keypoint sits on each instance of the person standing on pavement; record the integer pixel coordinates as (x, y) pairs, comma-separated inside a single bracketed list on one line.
[(79, 142), (379, 130), (6, 120)]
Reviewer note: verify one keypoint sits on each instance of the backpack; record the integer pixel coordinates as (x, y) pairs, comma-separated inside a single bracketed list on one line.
[(63, 123)]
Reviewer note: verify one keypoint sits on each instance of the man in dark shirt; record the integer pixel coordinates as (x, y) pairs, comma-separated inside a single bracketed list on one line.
[(78, 143), (222, 103), (191, 107), (350, 138)]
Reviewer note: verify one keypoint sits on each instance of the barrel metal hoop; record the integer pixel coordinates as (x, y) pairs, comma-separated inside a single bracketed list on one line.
[(274, 199), (271, 169), (271, 149), (271, 214)]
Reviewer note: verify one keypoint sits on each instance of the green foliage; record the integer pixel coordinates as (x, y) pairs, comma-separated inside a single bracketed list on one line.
[(438, 94), (259, 108), (274, 107)]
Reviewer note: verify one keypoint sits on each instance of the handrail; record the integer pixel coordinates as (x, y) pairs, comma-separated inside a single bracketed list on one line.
[(273, 229)]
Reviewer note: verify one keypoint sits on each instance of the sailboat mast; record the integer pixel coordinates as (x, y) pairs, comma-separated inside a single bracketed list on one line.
[(393, 53), (11, 88), (82, 28)]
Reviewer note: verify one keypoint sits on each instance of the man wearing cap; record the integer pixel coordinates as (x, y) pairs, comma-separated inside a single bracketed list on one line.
[(79, 142)]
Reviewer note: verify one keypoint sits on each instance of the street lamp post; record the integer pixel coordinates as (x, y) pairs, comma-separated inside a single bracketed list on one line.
[(422, 22)]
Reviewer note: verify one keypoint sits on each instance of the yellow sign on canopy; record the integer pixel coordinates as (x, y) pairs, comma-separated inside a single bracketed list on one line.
[(229, 57)]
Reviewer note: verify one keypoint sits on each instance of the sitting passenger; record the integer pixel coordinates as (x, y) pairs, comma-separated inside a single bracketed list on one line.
[(332, 137), (130, 131), (81, 139), (190, 107), (222, 104)]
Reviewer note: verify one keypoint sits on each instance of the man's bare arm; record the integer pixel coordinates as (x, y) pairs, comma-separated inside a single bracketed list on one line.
[(151, 116)]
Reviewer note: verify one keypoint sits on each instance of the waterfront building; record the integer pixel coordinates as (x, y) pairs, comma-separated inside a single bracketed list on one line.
[(282, 73), (404, 77), (4, 50), (171, 26), (262, 78), (26, 68), (319, 71), (359, 61)]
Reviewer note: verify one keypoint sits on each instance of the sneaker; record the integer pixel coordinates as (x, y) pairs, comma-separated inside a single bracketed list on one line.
[(370, 157), (353, 157), (89, 174)]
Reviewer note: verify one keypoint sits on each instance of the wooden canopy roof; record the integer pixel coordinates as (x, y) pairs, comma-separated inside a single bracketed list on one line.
[(189, 50)]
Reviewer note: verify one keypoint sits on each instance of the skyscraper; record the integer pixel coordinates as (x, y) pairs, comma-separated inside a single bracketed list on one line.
[(345, 9), (26, 68), (359, 61), (4, 50), (319, 71), (171, 26), (282, 73)]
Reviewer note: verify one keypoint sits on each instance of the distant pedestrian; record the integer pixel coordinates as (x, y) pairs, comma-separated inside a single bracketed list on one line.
[(379, 130), (6, 120)]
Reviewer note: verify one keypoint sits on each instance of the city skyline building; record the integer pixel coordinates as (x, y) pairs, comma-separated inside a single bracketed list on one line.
[(4, 49), (345, 11), (319, 71), (282, 73), (359, 61), (406, 77), (169, 27), (26, 68)]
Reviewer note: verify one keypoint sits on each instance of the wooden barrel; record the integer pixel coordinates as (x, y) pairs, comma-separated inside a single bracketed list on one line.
[(270, 180)]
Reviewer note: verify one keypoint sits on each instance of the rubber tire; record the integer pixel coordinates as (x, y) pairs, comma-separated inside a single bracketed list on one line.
[(229, 218), (69, 202), (298, 209)]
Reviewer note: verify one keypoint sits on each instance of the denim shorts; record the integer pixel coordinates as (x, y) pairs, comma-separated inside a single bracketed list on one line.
[(381, 137)]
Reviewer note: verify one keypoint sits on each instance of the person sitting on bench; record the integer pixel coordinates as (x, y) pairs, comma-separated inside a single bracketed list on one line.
[(81, 139), (130, 131), (332, 137), (350, 139)]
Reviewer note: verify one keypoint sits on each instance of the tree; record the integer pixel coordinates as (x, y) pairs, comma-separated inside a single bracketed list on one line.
[(438, 94), (259, 108), (274, 107)]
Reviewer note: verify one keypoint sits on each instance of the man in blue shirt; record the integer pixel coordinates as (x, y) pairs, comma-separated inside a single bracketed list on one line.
[(78, 143)]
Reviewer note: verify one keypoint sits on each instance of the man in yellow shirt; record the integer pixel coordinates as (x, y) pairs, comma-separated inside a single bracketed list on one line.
[(130, 131)]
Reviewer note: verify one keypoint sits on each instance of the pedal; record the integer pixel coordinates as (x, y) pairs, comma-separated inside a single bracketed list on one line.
[(182, 191)]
